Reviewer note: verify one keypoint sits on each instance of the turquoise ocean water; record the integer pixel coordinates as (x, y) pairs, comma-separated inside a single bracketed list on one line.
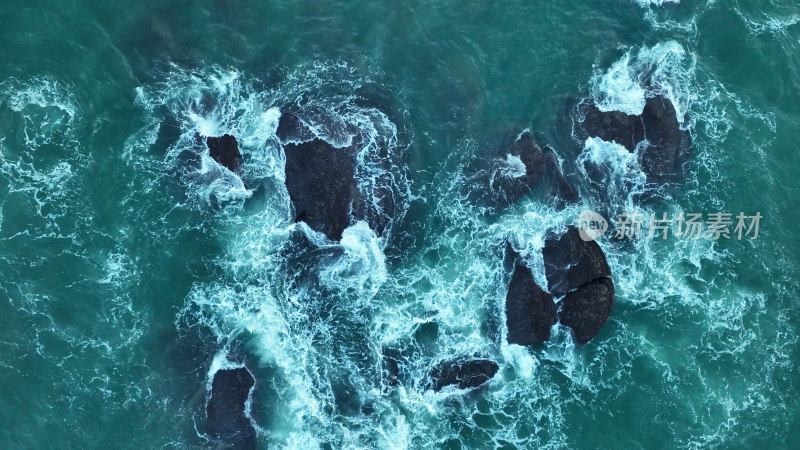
[(127, 278)]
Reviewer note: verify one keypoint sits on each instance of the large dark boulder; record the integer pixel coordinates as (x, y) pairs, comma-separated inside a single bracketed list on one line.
[(462, 373), (670, 148), (320, 178), (292, 129), (225, 415), (322, 183), (586, 310), (666, 156), (530, 311), (571, 262), (612, 126), (578, 271), (523, 168), (225, 150)]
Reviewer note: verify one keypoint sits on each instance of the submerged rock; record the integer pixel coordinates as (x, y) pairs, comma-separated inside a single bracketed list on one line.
[(571, 262), (557, 180), (391, 367), (586, 310), (426, 335), (462, 373), (322, 184), (530, 311), (578, 270), (225, 150), (524, 168), (665, 157), (225, 410)]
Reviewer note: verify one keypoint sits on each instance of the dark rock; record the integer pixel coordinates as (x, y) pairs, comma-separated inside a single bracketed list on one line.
[(462, 373), (586, 310), (558, 182), (613, 126), (570, 262), (530, 311), (666, 156), (531, 154), (578, 270), (292, 129), (322, 184), (225, 411), (510, 257), (541, 174), (391, 367), (511, 182), (670, 148), (225, 150)]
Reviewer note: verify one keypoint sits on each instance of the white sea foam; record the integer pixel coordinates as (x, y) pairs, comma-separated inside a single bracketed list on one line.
[(40, 153), (656, 2), (363, 265), (46, 174), (618, 89), (621, 176), (513, 167), (665, 68)]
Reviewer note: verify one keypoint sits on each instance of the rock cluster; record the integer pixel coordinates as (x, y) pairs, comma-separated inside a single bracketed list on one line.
[(664, 147)]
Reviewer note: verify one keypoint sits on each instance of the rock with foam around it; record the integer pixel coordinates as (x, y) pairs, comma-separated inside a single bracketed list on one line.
[(666, 156), (530, 311), (571, 262), (578, 271), (523, 168), (225, 415), (462, 373), (322, 184), (225, 151)]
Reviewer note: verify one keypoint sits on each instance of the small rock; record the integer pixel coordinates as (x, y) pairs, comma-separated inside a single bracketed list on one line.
[(225, 150), (463, 374)]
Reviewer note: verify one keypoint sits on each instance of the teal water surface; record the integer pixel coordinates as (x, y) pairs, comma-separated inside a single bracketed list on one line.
[(126, 278)]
